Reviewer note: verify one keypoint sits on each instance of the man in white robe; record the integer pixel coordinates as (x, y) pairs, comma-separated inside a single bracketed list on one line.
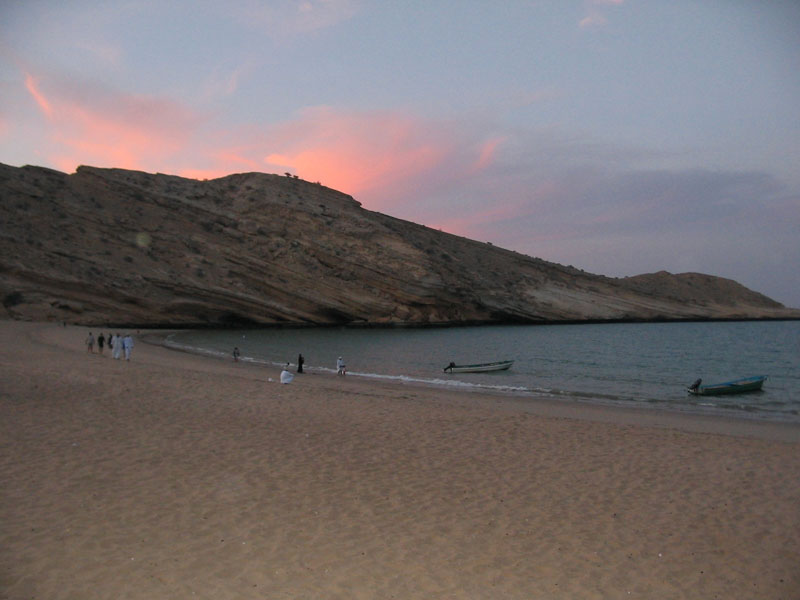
[(127, 346), (117, 347)]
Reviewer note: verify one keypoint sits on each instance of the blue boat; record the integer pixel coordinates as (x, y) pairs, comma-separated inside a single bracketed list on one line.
[(737, 386)]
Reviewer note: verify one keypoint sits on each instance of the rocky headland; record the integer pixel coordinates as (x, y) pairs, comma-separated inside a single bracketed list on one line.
[(119, 247)]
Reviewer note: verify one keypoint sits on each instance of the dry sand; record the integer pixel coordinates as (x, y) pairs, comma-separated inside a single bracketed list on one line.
[(178, 476)]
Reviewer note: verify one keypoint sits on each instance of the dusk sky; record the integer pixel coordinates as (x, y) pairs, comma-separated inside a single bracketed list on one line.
[(618, 136)]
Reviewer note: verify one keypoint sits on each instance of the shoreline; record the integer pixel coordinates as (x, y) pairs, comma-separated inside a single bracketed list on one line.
[(179, 475), (794, 316), (690, 420)]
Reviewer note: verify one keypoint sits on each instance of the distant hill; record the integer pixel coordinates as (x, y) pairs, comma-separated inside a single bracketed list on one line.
[(111, 246)]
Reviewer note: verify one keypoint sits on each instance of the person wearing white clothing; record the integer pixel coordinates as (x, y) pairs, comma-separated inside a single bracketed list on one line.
[(117, 346), (286, 376), (127, 346), (340, 368)]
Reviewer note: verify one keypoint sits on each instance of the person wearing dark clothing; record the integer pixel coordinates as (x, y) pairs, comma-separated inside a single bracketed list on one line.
[(300, 362)]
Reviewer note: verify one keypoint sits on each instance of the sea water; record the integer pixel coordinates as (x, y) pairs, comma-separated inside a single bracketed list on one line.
[(633, 364)]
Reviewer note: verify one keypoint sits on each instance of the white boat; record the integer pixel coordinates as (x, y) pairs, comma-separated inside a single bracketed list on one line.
[(479, 368)]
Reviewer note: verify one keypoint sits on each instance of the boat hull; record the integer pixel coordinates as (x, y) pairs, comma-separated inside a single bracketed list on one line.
[(738, 386), (481, 368)]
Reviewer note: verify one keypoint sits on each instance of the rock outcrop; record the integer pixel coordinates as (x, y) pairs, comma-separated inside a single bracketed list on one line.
[(129, 248)]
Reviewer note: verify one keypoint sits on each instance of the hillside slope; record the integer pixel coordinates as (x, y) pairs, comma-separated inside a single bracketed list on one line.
[(125, 247)]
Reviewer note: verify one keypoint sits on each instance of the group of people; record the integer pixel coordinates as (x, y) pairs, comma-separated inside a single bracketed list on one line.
[(118, 344), (286, 376)]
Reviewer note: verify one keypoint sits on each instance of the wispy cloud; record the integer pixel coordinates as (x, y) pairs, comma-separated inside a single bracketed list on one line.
[(222, 83), (43, 103), (89, 124), (595, 14), (104, 52), (292, 17), (356, 151), (373, 153), (488, 152)]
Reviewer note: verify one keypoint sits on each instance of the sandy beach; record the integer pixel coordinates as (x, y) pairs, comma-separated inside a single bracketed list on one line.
[(180, 476)]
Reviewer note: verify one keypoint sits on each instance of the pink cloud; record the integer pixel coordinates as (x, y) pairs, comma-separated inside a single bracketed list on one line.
[(382, 157), (223, 84), (593, 19), (488, 152), (594, 15), (38, 96), (202, 174), (102, 127), (357, 152)]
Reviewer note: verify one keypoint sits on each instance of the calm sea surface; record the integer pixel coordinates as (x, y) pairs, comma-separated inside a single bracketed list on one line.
[(647, 364)]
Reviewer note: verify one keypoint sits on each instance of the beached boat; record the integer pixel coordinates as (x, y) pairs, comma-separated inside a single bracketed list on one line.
[(737, 386), (479, 368)]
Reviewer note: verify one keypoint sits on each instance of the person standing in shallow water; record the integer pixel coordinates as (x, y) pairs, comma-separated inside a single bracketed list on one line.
[(300, 362), (341, 369), (236, 354)]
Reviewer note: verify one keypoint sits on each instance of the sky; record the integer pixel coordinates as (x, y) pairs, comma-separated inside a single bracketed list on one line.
[(618, 136)]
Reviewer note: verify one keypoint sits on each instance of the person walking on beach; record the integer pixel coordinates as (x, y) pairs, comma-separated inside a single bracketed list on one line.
[(101, 339), (341, 369), (300, 362), (117, 347), (127, 346), (90, 343), (236, 354)]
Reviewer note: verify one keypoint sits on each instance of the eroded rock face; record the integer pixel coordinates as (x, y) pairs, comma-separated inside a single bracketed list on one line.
[(124, 247)]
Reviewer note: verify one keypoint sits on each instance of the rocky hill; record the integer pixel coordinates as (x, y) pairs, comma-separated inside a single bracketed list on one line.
[(129, 248)]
